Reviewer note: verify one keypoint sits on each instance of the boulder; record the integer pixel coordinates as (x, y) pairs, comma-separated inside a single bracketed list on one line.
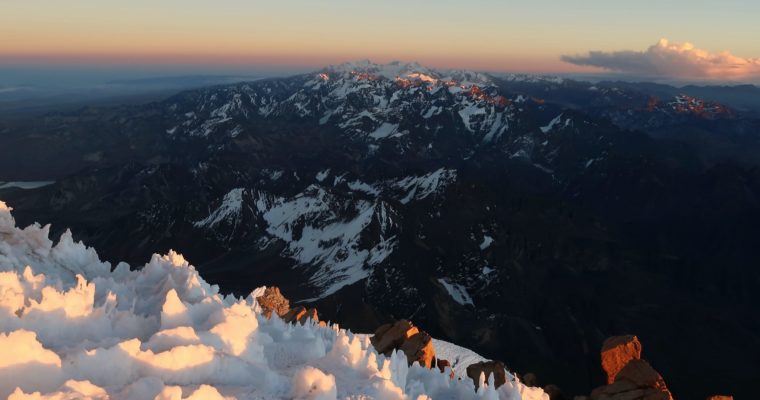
[(419, 348), (495, 368), (617, 351), (636, 381), (272, 301), (628, 376), (390, 337)]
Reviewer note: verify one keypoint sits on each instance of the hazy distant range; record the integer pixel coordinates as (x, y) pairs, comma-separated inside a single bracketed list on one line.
[(35, 89), (31, 89), (39, 96)]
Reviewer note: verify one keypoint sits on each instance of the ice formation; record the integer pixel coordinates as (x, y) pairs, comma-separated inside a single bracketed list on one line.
[(73, 327)]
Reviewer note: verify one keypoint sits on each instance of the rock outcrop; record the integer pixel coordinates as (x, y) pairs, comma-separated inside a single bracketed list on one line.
[(487, 368), (628, 376), (419, 348), (617, 352), (403, 335), (294, 314), (389, 337), (272, 301)]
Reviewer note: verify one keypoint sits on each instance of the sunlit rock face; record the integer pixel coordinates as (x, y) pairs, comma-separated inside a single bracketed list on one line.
[(73, 327)]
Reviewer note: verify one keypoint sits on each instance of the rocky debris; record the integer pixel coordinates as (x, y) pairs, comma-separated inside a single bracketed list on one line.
[(272, 301), (487, 368), (617, 351), (631, 377)]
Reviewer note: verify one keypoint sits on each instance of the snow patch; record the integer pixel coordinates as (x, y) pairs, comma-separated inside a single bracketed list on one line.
[(322, 175), (25, 185), (317, 235), (457, 292), (487, 240), (420, 187), (229, 210), (384, 130), (552, 124)]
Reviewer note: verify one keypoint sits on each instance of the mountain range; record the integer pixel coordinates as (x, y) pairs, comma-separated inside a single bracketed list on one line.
[(525, 217)]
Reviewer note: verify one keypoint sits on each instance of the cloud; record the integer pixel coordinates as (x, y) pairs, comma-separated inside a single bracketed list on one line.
[(672, 60)]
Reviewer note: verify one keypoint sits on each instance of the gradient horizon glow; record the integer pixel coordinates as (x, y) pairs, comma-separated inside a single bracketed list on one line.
[(490, 35)]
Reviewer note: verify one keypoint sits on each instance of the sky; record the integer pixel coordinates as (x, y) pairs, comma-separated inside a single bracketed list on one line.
[(232, 36)]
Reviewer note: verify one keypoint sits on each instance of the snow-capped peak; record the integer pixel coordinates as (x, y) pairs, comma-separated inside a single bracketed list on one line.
[(368, 101), (393, 70), (412, 71)]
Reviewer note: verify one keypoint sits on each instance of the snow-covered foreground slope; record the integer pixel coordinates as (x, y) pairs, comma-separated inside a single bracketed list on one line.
[(73, 328)]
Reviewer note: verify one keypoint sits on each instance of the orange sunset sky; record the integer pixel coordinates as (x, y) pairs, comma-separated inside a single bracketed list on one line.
[(487, 35)]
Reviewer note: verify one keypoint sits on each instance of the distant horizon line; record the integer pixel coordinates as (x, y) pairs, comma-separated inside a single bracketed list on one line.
[(166, 70)]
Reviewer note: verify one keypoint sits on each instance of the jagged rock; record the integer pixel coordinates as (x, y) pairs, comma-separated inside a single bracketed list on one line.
[(617, 351), (294, 314), (497, 368), (389, 337), (273, 301), (301, 315), (310, 313), (402, 335), (419, 348)]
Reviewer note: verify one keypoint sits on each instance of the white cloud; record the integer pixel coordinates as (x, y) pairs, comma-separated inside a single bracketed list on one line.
[(673, 60)]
